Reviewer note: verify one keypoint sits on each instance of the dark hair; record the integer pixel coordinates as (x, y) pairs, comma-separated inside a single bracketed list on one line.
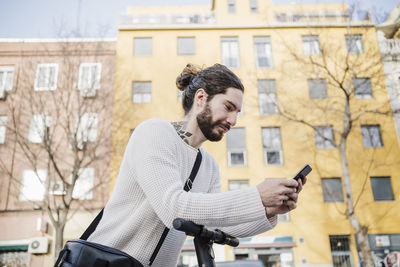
[(214, 80)]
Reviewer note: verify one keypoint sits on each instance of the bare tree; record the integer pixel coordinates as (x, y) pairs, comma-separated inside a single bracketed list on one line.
[(59, 128), (347, 91)]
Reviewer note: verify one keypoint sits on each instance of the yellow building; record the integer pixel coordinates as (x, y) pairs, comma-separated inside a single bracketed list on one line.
[(297, 63)]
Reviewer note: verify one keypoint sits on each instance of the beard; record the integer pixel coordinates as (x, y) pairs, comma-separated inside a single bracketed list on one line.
[(206, 125)]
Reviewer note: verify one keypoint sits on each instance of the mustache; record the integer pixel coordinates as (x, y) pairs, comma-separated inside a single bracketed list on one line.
[(220, 123)]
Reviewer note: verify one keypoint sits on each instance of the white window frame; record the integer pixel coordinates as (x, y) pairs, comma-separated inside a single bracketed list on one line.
[(239, 184), (253, 6), (230, 51), (314, 87), (37, 127), (367, 133), (138, 49), (141, 96), (263, 43), (354, 43), (86, 128), (322, 133), (285, 217), (6, 79), (48, 86), (90, 84), (3, 129), (277, 148), (33, 189), (231, 6), (329, 198), (311, 44), (186, 40), (83, 189), (267, 96), (236, 150), (360, 94)]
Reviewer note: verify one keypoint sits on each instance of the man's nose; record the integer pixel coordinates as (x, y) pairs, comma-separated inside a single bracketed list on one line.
[(232, 117)]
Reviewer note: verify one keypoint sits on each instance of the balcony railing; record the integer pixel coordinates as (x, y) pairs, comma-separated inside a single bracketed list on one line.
[(156, 19), (390, 46)]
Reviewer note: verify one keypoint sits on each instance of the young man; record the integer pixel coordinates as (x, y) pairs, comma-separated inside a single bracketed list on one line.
[(159, 157)]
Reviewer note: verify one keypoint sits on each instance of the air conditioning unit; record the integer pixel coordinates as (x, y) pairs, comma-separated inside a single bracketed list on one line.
[(57, 188), (38, 245)]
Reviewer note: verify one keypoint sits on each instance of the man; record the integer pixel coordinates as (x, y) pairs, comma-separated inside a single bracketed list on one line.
[(159, 157)]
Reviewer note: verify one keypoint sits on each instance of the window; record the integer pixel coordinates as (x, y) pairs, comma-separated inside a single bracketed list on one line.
[(141, 92), (3, 128), (317, 88), (283, 217), (362, 88), (84, 184), (340, 249), (332, 189), (310, 44), (142, 47), (324, 137), (186, 46), (263, 52), (382, 188), (237, 184), (231, 6), (371, 135), (267, 97), (271, 138), (236, 146), (40, 125), (230, 52), (253, 6), (86, 128), (354, 43), (180, 96), (89, 78), (6, 79), (46, 77), (32, 185)]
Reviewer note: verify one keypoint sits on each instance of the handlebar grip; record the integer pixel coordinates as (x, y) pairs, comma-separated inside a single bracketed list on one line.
[(232, 241), (188, 227)]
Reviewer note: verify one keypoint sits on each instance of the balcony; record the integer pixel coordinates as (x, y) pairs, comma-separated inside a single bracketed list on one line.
[(168, 19), (390, 47)]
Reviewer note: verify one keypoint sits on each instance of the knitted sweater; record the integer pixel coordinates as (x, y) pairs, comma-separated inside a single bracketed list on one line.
[(149, 195)]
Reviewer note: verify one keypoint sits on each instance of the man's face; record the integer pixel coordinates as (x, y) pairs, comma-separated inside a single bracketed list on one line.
[(220, 114)]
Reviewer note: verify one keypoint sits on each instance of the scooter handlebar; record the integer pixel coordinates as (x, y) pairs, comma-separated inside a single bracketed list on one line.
[(196, 230)]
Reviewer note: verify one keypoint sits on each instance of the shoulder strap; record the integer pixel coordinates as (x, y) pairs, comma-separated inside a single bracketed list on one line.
[(187, 187), (92, 226)]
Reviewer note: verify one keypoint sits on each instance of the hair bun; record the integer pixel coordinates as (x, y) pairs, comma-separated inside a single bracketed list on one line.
[(187, 75)]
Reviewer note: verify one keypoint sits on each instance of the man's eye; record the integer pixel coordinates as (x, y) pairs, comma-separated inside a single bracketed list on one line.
[(229, 108)]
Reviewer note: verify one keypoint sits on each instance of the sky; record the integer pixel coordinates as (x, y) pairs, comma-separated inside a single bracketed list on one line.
[(100, 18)]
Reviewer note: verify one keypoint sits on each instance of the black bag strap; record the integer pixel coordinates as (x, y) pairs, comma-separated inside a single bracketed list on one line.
[(187, 187), (92, 226)]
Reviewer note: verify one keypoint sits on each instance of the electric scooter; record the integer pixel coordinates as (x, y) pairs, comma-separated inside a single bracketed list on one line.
[(204, 240)]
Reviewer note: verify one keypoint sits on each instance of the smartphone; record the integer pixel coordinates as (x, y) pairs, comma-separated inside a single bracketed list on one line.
[(303, 173)]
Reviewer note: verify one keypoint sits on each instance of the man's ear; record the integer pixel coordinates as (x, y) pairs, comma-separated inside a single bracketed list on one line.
[(200, 98)]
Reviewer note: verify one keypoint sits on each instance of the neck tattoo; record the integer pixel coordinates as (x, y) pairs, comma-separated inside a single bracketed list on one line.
[(180, 129)]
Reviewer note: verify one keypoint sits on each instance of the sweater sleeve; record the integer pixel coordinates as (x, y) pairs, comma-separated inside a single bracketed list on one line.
[(152, 159), (245, 229)]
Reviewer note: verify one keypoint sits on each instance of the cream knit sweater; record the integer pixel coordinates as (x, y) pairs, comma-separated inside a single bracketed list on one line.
[(149, 195)]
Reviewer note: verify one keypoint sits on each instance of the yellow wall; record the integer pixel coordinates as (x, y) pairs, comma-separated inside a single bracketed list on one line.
[(314, 220)]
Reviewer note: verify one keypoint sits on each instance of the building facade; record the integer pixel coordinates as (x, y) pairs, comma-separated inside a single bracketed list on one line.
[(56, 106), (301, 65)]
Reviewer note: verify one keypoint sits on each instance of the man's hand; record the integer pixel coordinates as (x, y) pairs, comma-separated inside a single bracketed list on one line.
[(274, 192), (287, 205)]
